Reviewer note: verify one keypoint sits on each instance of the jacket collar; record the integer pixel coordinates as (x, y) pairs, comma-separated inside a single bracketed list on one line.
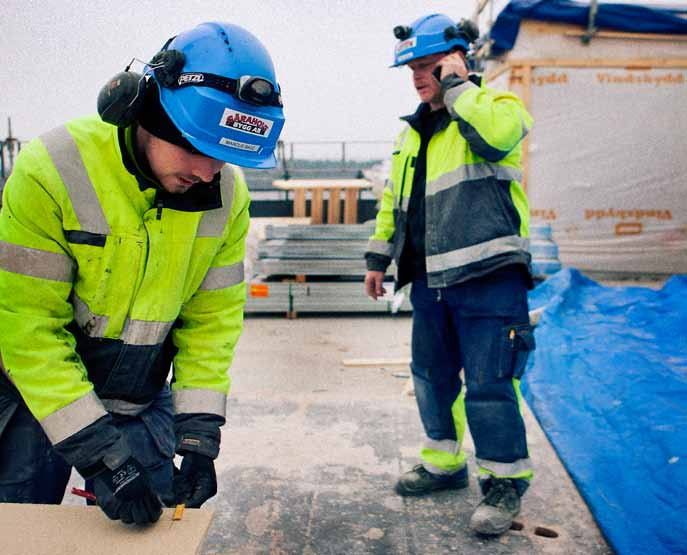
[(422, 112)]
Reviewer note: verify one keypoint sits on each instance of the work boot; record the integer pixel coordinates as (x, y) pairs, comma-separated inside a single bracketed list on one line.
[(420, 481), (494, 515)]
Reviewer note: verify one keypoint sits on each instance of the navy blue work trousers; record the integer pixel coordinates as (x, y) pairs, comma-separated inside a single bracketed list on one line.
[(481, 325)]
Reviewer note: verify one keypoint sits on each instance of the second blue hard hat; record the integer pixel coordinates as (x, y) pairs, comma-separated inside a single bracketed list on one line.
[(430, 34)]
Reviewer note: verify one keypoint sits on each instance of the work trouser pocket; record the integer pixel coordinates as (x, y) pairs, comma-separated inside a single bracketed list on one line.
[(517, 341)]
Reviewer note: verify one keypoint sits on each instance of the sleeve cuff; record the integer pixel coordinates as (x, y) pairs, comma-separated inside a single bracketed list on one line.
[(377, 262), (450, 81), (90, 449), (198, 433)]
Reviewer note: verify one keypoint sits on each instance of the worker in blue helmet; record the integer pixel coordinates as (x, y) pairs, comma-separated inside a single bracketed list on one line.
[(454, 218), (122, 239)]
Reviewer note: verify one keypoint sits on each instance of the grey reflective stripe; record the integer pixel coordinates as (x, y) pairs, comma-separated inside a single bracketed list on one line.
[(452, 95), (67, 160), (124, 407), (505, 470), (380, 247), (445, 446), (213, 221), (472, 172), (144, 332), (91, 324), (475, 253), (36, 263), (405, 201), (524, 129), (68, 420), (222, 277), (135, 332), (436, 470), (189, 401)]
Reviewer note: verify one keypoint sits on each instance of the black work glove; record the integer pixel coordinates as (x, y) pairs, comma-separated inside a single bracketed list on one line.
[(126, 493), (195, 482)]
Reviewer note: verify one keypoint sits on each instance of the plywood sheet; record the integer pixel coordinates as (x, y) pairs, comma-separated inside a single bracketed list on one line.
[(73, 530)]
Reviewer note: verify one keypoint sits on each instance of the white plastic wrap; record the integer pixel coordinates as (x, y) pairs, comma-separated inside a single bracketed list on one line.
[(607, 163), (608, 166)]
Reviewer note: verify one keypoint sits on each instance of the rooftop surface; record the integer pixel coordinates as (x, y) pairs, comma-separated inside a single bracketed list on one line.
[(312, 449)]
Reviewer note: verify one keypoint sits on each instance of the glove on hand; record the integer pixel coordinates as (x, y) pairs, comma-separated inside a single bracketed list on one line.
[(126, 493), (196, 481)]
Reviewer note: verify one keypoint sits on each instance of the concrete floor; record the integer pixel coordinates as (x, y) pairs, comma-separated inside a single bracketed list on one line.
[(312, 449)]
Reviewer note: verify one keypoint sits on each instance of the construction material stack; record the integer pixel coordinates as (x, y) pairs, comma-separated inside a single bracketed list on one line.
[(314, 268), (321, 268)]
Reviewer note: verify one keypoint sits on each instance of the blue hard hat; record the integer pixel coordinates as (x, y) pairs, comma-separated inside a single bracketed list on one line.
[(430, 34), (225, 100)]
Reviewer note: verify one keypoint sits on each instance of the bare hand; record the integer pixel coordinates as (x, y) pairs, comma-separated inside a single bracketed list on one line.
[(453, 63), (374, 284)]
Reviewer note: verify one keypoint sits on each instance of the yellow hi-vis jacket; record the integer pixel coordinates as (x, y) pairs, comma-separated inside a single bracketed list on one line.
[(476, 212), (102, 286)]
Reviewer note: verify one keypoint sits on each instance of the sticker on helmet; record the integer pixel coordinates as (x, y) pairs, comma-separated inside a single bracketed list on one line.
[(233, 119), (406, 44), (224, 141)]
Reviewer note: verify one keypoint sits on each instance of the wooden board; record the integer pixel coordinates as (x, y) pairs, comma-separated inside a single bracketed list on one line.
[(376, 361), (294, 184), (80, 530), (627, 63)]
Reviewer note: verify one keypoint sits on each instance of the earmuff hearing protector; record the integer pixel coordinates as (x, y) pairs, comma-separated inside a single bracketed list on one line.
[(121, 99)]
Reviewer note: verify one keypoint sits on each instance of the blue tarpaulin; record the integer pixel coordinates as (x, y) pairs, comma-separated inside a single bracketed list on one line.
[(608, 384), (618, 17)]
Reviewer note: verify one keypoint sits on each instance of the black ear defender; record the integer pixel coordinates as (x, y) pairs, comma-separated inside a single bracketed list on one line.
[(465, 29), (121, 99)]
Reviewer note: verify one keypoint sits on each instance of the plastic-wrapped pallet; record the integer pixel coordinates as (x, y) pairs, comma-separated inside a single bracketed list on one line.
[(320, 268)]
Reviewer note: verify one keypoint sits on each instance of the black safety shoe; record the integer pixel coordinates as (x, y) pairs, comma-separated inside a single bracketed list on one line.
[(494, 515), (419, 481)]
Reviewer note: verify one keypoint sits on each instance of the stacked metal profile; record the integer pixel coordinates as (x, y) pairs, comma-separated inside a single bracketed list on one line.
[(320, 268)]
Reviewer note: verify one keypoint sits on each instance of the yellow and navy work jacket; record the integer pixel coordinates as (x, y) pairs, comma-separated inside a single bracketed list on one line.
[(476, 212), (104, 284)]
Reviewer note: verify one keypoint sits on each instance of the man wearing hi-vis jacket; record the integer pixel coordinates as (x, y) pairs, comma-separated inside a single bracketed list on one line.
[(121, 254), (454, 218)]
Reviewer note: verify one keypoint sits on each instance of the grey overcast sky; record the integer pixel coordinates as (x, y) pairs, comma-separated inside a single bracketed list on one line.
[(331, 57)]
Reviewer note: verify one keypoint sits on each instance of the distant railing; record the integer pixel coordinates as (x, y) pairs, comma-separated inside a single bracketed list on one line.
[(334, 159), (9, 149), (295, 159), (345, 151)]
